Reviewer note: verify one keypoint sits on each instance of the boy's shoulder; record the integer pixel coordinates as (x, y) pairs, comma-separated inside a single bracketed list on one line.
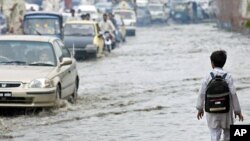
[(215, 72)]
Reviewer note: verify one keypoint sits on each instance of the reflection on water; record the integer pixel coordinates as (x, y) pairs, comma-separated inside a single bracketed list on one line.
[(145, 90)]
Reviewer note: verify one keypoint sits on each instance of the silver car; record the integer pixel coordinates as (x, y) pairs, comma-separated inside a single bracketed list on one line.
[(36, 71)]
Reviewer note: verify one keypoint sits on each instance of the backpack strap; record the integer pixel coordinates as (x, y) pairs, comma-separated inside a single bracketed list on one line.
[(212, 75), (224, 76)]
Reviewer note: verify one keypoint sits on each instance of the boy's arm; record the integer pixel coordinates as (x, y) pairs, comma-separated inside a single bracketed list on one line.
[(235, 101), (201, 95)]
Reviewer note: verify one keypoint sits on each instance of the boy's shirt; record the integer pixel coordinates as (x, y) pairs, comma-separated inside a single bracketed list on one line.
[(219, 120)]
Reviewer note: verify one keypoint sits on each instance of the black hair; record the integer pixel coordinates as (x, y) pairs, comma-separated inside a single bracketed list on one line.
[(218, 58)]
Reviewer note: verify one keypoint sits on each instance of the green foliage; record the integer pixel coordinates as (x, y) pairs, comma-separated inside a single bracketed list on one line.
[(248, 24)]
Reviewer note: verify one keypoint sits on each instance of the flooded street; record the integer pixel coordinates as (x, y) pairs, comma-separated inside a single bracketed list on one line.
[(144, 90)]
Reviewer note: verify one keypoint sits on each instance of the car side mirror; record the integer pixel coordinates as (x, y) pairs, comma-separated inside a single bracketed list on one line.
[(66, 61)]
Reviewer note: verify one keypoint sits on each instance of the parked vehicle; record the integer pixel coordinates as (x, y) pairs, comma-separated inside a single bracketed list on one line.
[(83, 38), (36, 71), (43, 23), (157, 11), (180, 14), (91, 9), (104, 7), (143, 17), (3, 24), (129, 18), (121, 28)]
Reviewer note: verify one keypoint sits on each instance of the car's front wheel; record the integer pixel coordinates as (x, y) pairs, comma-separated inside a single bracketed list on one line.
[(74, 95)]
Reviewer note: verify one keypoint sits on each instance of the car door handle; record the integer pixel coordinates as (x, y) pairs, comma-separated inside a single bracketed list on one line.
[(69, 71)]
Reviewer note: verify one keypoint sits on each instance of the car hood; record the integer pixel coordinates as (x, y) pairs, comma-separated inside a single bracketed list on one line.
[(24, 73), (78, 41)]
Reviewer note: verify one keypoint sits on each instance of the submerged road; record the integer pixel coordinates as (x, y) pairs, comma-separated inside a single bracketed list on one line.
[(145, 90)]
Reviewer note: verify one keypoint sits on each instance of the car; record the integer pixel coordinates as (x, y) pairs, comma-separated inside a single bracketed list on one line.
[(43, 23), (83, 38), (157, 11), (36, 71), (129, 18), (121, 28), (143, 17), (179, 13), (91, 9), (3, 24)]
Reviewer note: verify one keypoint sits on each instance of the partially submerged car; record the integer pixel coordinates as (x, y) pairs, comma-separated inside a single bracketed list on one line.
[(83, 38), (129, 18), (143, 17), (157, 12), (36, 71), (43, 23), (179, 13)]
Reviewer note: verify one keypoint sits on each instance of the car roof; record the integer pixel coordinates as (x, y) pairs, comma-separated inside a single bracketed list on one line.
[(80, 22), (43, 13), (37, 38)]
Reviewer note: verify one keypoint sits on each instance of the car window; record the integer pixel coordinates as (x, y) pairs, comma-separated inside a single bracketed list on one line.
[(27, 53), (65, 51), (58, 50), (79, 30)]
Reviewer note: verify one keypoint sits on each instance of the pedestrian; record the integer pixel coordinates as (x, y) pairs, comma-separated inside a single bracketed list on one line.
[(73, 16), (219, 99)]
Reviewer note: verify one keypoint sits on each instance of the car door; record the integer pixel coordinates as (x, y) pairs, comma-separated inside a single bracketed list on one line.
[(71, 78), (64, 72)]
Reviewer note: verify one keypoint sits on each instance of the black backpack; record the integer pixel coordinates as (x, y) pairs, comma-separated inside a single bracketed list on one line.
[(217, 99)]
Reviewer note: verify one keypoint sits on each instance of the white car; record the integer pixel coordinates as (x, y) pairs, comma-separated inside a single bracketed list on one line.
[(91, 9), (129, 18), (36, 71), (157, 12)]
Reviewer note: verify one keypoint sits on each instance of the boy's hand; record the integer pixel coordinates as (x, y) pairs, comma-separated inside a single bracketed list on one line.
[(200, 114), (241, 118)]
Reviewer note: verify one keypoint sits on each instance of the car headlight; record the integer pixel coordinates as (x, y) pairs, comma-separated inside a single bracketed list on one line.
[(41, 83)]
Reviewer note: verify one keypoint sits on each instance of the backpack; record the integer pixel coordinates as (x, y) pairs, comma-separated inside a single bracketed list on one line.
[(217, 99)]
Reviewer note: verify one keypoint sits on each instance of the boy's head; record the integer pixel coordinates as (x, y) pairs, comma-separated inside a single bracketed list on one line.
[(218, 58)]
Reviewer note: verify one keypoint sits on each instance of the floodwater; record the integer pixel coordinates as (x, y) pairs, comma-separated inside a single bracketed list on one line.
[(144, 90)]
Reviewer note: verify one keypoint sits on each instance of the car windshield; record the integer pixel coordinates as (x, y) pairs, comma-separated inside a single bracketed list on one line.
[(155, 8), (26, 53), (42, 26), (180, 7), (125, 15), (79, 30)]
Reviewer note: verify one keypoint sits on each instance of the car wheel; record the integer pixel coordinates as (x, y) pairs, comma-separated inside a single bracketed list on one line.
[(58, 96)]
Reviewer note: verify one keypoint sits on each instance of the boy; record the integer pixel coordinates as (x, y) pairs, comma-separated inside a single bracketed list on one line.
[(218, 118)]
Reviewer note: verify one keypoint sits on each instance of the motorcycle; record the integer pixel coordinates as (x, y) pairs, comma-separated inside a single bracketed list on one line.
[(107, 41)]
